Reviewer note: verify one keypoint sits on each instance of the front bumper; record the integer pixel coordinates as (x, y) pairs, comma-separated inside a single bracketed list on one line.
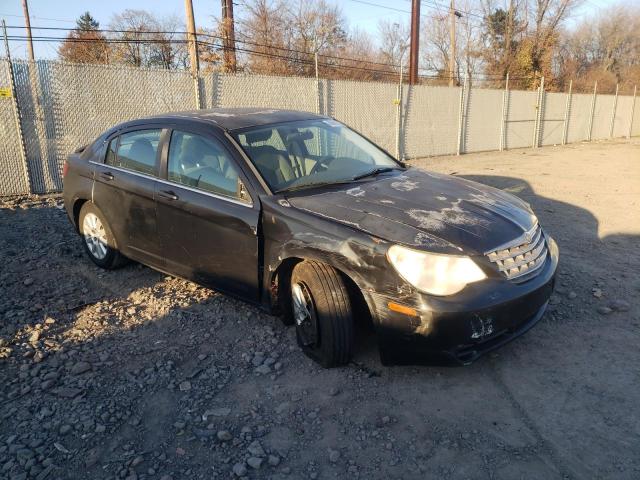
[(483, 317)]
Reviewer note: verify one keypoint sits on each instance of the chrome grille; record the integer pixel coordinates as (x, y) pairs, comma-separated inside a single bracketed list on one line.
[(522, 257)]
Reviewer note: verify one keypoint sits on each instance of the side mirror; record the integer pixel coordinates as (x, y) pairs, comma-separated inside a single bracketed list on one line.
[(242, 192)]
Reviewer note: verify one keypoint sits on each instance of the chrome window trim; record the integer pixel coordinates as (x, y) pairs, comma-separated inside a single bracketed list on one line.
[(175, 184), (125, 170), (210, 194)]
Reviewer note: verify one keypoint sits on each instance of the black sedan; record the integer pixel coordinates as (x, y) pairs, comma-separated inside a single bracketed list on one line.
[(303, 216)]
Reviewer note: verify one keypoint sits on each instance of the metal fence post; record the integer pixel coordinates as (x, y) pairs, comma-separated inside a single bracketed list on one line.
[(613, 112), (505, 96), (567, 109), (398, 102), (16, 111), (196, 86), (315, 57), (536, 124), (593, 109), (462, 114), (633, 107)]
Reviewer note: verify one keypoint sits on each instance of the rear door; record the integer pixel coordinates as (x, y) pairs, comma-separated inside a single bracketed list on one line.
[(124, 190), (207, 219)]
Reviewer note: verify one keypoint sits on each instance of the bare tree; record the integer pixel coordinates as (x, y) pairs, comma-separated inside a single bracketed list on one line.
[(393, 41), (262, 29), (606, 49), (146, 40)]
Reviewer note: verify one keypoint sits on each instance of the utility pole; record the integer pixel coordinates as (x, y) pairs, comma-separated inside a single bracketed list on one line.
[(229, 36), (452, 41), (453, 13), (415, 42), (27, 22), (193, 40)]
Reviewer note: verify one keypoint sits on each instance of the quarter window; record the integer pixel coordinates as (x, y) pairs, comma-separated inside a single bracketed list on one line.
[(136, 151), (202, 163)]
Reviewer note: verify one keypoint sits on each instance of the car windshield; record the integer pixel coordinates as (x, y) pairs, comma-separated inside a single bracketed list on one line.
[(295, 155)]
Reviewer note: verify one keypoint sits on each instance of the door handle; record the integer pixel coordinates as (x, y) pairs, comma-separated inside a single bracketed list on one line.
[(108, 176), (167, 194)]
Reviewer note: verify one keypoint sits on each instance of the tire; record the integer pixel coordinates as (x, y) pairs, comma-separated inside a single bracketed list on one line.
[(97, 239), (324, 327)]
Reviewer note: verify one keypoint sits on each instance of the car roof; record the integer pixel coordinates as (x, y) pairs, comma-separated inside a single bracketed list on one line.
[(232, 118)]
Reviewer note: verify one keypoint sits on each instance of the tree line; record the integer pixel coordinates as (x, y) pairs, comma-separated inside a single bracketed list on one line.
[(527, 39)]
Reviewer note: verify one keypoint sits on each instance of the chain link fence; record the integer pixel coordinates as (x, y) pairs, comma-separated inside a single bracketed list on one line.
[(50, 108)]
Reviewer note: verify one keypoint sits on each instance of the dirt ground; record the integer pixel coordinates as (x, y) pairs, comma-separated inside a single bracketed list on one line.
[(133, 374)]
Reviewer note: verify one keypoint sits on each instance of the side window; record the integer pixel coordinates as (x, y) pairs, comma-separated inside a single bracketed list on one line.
[(136, 151), (202, 163)]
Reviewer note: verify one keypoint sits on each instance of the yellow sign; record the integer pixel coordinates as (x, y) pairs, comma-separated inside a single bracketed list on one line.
[(5, 92)]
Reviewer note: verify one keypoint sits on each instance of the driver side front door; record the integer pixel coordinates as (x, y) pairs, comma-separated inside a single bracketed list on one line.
[(207, 221)]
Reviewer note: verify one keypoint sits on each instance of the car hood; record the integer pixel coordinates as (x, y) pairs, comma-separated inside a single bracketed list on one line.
[(424, 210)]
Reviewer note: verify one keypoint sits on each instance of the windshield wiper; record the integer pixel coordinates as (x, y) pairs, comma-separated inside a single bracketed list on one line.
[(370, 173), (310, 185), (374, 172)]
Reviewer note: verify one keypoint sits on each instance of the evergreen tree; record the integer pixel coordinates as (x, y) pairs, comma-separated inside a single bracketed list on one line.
[(85, 44), (86, 23)]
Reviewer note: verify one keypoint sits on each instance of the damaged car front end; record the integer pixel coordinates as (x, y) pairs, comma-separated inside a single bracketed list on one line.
[(428, 253)]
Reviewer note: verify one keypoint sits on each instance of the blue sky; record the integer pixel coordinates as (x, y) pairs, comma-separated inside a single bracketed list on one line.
[(62, 13)]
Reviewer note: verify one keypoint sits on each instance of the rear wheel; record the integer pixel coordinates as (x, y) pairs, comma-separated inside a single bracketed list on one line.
[(321, 309), (97, 239)]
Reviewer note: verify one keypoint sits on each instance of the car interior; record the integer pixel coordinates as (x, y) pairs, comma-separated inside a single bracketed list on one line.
[(198, 162), (281, 156)]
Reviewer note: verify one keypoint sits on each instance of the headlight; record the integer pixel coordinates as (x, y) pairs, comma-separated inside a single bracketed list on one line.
[(434, 273)]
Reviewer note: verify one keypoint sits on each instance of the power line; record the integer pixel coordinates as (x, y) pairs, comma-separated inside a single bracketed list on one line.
[(218, 37), (200, 42), (309, 62), (142, 34), (371, 4), (37, 18), (394, 9)]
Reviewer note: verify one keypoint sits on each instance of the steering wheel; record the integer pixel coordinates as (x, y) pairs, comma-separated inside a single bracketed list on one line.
[(323, 165)]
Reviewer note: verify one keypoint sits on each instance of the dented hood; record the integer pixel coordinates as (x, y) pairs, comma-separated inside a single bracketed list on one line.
[(424, 210)]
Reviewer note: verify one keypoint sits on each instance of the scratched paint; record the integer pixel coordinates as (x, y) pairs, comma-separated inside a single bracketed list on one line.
[(356, 192)]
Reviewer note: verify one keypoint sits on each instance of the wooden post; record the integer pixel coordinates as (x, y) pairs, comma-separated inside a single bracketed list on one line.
[(452, 42), (414, 47), (193, 40), (27, 24)]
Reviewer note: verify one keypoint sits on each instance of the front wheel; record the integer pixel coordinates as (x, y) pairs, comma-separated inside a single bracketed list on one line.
[(97, 239), (321, 309)]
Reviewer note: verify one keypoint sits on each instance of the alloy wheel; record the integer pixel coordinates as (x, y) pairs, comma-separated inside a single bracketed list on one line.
[(304, 314), (95, 236)]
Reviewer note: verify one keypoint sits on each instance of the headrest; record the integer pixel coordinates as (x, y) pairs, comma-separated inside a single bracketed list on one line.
[(297, 136), (194, 146), (259, 135), (142, 149)]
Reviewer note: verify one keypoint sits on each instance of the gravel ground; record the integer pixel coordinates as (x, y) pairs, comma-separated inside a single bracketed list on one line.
[(133, 374)]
